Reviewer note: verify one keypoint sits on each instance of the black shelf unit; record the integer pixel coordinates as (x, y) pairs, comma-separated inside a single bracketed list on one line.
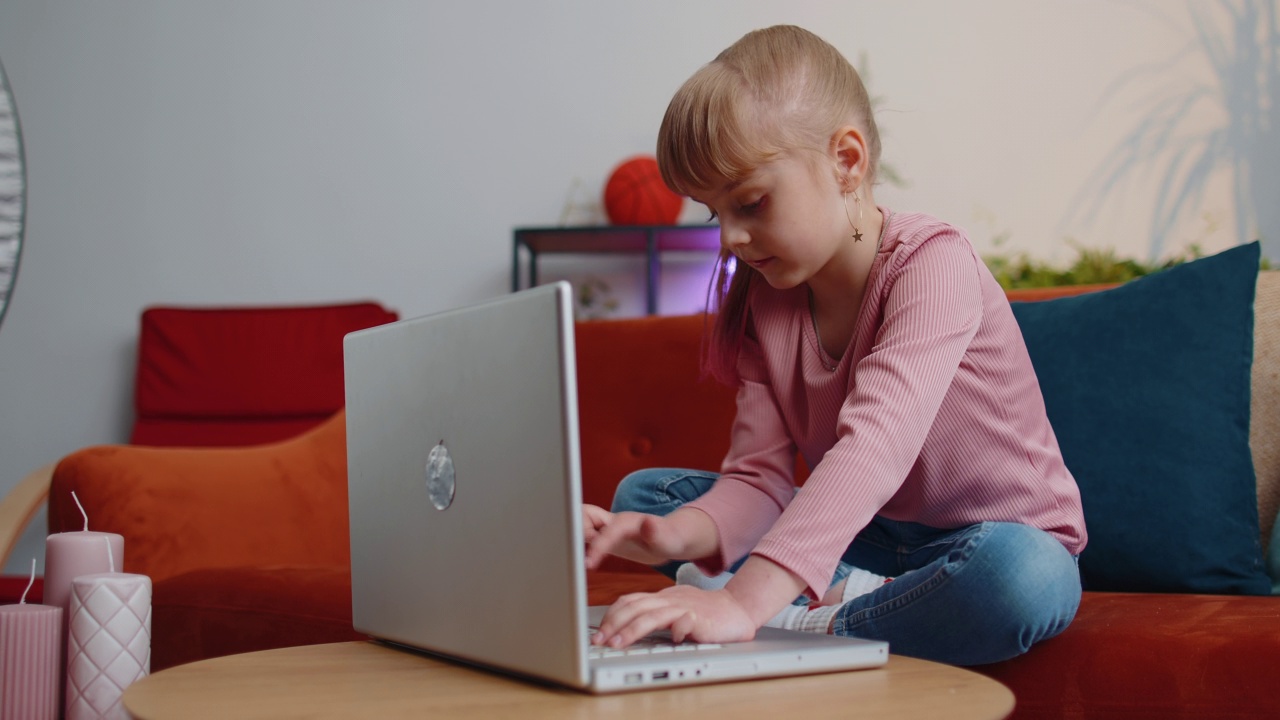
[(651, 241)]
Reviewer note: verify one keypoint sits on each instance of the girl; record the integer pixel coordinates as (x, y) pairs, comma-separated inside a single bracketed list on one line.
[(878, 346)]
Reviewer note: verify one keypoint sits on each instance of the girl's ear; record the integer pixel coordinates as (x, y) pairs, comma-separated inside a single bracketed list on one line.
[(850, 150)]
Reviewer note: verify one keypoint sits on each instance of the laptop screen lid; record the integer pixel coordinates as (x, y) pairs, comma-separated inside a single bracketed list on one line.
[(463, 479)]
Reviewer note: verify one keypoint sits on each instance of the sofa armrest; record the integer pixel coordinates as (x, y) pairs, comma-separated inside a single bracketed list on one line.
[(19, 506), (181, 509)]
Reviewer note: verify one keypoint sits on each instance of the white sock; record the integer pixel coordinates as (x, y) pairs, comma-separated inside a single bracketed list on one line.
[(689, 574), (818, 620), (860, 582)]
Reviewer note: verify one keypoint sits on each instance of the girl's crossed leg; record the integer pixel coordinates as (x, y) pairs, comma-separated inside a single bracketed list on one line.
[(965, 596)]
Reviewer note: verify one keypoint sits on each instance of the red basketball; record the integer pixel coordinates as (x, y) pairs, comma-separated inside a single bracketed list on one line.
[(636, 195)]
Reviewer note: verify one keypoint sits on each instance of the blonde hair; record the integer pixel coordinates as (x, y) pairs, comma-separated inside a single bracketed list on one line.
[(777, 89)]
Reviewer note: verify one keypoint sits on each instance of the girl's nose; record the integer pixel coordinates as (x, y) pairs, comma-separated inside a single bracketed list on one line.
[(732, 237)]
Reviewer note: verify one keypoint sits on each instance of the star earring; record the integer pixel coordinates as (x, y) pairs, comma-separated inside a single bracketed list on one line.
[(857, 233)]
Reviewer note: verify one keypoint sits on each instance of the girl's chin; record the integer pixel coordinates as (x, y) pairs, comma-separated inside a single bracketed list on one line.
[(779, 281), (780, 277)]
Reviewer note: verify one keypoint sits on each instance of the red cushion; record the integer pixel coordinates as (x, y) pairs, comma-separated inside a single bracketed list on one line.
[(225, 611), (273, 370), (211, 613), (622, 435), (1130, 655), (12, 587)]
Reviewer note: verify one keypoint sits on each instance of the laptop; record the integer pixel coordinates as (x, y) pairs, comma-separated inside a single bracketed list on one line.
[(465, 496)]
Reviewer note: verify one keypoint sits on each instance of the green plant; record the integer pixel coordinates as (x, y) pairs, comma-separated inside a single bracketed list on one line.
[(1091, 266)]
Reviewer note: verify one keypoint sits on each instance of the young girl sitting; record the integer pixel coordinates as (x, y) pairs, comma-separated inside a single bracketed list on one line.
[(878, 346)]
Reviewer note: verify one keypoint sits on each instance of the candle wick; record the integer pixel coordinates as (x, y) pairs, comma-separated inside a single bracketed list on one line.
[(111, 560), (30, 582), (82, 512)]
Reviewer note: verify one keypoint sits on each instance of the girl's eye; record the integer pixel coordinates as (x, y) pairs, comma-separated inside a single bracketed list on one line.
[(746, 209)]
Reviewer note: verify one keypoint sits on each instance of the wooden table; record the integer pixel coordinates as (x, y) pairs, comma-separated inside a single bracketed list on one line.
[(364, 679)]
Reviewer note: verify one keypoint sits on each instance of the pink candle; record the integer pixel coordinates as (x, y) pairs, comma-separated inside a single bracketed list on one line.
[(67, 556), (30, 639), (108, 643)]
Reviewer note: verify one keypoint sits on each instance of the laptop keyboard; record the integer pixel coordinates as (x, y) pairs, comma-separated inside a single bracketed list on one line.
[(659, 642)]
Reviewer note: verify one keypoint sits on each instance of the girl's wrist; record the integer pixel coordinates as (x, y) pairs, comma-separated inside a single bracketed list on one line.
[(697, 531), (762, 588)]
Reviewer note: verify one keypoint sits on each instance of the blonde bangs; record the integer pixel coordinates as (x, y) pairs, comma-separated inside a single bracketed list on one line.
[(710, 135)]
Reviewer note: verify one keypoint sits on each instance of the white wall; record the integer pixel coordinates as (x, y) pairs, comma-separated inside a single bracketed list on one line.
[(287, 152)]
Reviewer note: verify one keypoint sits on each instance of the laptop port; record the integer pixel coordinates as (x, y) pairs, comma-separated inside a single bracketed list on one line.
[(661, 675), (634, 678)]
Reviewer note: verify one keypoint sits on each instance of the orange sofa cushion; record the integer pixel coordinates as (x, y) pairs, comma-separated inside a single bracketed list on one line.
[(1150, 656), (187, 509)]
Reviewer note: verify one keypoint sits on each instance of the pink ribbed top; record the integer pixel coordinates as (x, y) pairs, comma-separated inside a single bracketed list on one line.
[(933, 415)]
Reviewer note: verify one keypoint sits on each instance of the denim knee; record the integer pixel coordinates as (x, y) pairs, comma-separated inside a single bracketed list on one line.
[(996, 589), (1033, 588), (659, 491)]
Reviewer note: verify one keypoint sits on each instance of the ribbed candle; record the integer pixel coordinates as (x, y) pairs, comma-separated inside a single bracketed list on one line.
[(30, 637), (108, 643)]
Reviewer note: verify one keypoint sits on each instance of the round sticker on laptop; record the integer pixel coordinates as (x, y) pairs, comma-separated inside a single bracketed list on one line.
[(440, 477)]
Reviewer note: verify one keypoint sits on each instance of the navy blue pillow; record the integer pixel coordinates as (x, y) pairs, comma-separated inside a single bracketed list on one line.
[(1147, 388)]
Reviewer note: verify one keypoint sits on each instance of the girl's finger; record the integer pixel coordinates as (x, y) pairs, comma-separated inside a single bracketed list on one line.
[(624, 612), (683, 627), (652, 619), (605, 540)]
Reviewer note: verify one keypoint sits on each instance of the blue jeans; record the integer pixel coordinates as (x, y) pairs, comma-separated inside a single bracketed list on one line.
[(964, 596)]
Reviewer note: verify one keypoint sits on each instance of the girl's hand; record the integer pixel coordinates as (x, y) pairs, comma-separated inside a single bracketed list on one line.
[(594, 518), (692, 614), (650, 539)]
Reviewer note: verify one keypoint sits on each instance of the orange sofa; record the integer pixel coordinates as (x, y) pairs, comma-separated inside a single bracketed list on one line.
[(248, 548)]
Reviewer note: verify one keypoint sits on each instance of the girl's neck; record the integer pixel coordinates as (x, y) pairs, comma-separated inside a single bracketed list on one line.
[(841, 283)]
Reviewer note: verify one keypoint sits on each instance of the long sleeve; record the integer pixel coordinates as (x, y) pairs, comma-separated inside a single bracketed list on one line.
[(757, 475), (931, 314)]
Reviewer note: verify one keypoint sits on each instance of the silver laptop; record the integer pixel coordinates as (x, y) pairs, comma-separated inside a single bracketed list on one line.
[(465, 493)]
